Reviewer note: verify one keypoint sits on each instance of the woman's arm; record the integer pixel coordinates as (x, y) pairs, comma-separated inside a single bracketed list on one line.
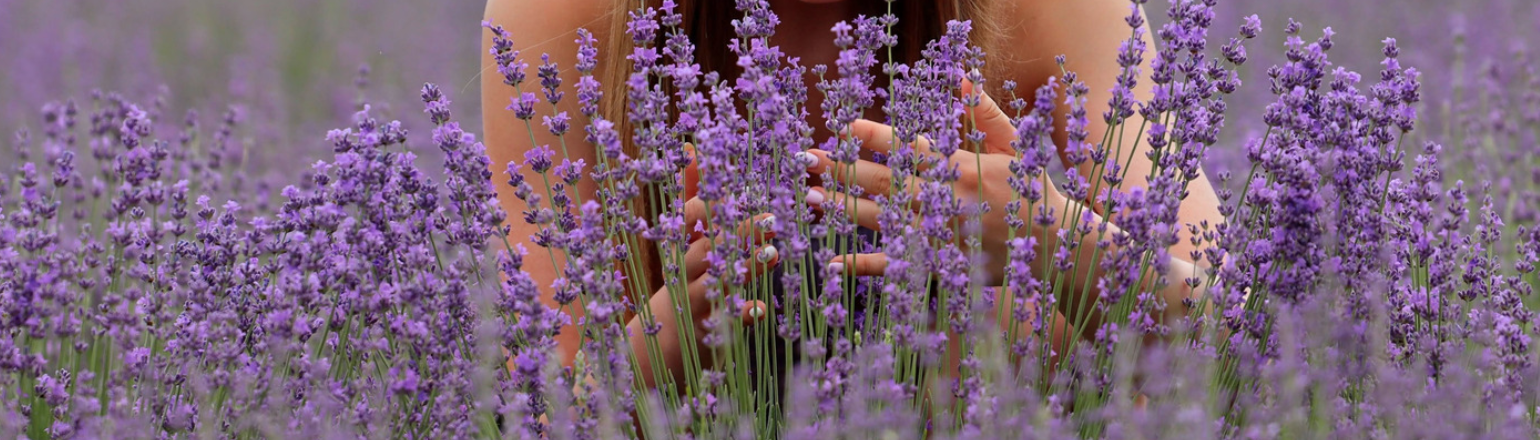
[(537, 27), (1088, 33)]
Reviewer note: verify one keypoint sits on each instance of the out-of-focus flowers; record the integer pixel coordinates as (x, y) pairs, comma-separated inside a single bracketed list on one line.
[(1371, 271)]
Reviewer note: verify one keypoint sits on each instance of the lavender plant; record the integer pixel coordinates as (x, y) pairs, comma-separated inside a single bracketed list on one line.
[(1349, 292)]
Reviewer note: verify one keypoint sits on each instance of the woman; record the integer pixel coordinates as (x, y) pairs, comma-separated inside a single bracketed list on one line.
[(1021, 37)]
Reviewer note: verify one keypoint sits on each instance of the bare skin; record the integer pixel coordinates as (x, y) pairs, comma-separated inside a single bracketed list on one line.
[(1087, 32)]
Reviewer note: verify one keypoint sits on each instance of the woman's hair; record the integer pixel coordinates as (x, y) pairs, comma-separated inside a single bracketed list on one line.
[(709, 25)]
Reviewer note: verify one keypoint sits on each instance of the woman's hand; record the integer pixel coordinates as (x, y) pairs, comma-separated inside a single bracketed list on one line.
[(982, 177), (664, 314)]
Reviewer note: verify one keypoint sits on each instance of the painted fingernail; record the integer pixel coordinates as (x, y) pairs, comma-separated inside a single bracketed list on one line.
[(756, 312), (837, 267), (813, 197), (807, 159), (767, 223), (766, 254)]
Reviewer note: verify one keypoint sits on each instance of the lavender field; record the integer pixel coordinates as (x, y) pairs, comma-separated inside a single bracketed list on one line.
[(277, 219)]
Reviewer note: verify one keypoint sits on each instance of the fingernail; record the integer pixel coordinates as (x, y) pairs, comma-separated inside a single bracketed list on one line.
[(807, 159), (766, 254), (837, 267), (813, 197), (767, 223), (756, 312)]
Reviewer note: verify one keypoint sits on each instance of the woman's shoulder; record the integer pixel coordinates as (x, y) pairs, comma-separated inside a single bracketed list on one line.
[(1082, 31), (536, 18)]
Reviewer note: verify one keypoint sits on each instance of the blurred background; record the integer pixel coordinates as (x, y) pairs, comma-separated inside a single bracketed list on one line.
[(292, 68), (1476, 58)]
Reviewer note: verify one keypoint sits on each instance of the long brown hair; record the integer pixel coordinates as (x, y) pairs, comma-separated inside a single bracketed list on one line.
[(709, 25)]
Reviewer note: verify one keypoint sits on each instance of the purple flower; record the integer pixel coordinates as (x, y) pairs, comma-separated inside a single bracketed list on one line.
[(523, 107)]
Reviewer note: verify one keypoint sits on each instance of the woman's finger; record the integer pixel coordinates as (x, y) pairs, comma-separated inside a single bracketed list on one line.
[(764, 256), (873, 178), (691, 173), (757, 234), (863, 211), (992, 121), (754, 311), (751, 312), (880, 138), (695, 218), (862, 265)]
